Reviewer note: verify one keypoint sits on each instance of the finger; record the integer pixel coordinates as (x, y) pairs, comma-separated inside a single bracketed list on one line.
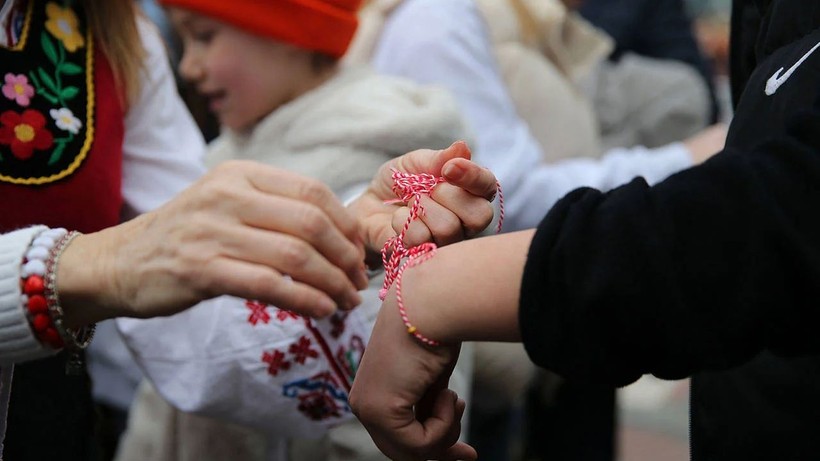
[(460, 452), (308, 222), (470, 176), (432, 161), (292, 256), (275, 181), (473, 212), (436, 223), (262, 283), (425, 408), (455, 430), (440, 425)]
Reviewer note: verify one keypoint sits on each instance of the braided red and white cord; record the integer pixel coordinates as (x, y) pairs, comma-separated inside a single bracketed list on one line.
[(409, 188)]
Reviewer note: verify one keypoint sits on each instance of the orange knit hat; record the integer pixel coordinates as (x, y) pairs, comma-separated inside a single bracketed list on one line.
[(326, 26)]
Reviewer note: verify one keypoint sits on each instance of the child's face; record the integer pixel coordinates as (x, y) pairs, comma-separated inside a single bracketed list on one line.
[(244, 77)]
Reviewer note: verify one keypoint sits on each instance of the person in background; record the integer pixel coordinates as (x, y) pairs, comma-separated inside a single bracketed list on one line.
[(660, 29)]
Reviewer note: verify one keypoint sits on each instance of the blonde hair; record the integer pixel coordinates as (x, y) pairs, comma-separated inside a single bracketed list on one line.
[(114, 23)]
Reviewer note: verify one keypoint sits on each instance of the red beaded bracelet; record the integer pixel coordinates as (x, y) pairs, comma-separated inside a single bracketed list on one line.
[(33, 287)]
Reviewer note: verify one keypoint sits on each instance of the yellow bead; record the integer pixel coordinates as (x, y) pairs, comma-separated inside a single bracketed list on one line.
[(411, 330)]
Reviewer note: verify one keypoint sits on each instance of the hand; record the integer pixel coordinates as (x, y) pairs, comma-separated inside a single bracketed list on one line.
[(245, 229), (457, 209), (398, 374)]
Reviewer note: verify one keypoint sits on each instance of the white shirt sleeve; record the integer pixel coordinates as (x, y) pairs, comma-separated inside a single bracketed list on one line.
[(163, 147), (253, 364), (17, 341), (162, 155), (445, 42)]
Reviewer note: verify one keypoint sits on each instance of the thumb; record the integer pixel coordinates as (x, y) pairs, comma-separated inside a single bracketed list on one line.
[(432, 161)]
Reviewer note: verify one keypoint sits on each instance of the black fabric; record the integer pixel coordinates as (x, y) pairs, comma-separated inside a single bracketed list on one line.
[(51, 415), (713, 271), (654, 28)]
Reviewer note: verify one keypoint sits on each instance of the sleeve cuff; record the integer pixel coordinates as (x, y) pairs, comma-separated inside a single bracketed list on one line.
[(17, 341)]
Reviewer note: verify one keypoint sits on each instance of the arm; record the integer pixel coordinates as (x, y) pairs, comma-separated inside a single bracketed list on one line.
[(700, 272), (229, 233)]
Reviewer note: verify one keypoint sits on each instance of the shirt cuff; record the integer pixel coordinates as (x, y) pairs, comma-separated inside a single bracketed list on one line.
[(17, 340)]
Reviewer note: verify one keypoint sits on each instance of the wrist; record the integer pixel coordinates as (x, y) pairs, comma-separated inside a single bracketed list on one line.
[(87, 280)]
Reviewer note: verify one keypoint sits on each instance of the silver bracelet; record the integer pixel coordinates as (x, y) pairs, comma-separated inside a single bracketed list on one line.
[(75, 339)]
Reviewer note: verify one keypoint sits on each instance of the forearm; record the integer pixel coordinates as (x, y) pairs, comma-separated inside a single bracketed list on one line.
[(468, 291)]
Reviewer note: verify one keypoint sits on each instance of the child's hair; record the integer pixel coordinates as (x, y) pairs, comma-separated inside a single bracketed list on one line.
[(114, 23)]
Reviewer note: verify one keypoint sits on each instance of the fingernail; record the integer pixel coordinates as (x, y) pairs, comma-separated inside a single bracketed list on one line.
[(453, 171)]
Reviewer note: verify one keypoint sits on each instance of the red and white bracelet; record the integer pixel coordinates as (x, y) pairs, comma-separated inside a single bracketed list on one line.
[(40, 297), (409, 188)]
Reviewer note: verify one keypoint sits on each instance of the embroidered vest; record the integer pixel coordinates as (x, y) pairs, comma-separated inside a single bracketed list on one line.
[(61, 135), (61, 125)]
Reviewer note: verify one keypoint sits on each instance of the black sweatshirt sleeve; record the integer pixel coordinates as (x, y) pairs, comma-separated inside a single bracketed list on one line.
[(700, 272)]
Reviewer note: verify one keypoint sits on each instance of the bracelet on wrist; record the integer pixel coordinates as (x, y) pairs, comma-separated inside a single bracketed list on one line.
[(41, 298), (78, 338), (33, 287)]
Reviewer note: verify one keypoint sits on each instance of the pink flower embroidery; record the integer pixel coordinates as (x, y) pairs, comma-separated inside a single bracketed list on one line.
[(18, 89)]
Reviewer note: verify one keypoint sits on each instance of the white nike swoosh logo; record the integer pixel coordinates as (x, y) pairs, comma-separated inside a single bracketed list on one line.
[(777, 80)]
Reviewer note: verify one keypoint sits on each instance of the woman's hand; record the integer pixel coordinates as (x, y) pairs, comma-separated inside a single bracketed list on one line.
[(457, 209), (245, 229)]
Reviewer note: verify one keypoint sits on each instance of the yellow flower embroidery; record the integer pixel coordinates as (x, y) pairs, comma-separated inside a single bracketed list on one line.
[(63, 24)]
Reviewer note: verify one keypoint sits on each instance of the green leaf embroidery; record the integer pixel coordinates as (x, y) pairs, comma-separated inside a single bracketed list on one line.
[(69, 92), (48, 81), (40, 90), (69, 68), (48, 48), (57, 153)]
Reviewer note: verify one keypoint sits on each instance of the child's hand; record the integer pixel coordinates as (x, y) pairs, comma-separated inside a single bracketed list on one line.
[(457, 209), (400, 394)]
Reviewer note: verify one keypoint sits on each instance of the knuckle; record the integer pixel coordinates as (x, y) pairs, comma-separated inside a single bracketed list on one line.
[(314, 191), (295, 253), (314, 223), (447, 228), (481, 218)]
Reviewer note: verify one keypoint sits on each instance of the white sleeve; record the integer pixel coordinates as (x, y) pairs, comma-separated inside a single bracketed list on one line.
[(162, 155), (17, 341), (445, 42), (163, 147), (253, 364)]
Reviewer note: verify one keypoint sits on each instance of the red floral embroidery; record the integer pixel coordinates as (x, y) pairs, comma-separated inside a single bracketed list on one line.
[(283, 314), (319, 406), (24, 133), (276, 362), (259, 312), (302, 350)]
